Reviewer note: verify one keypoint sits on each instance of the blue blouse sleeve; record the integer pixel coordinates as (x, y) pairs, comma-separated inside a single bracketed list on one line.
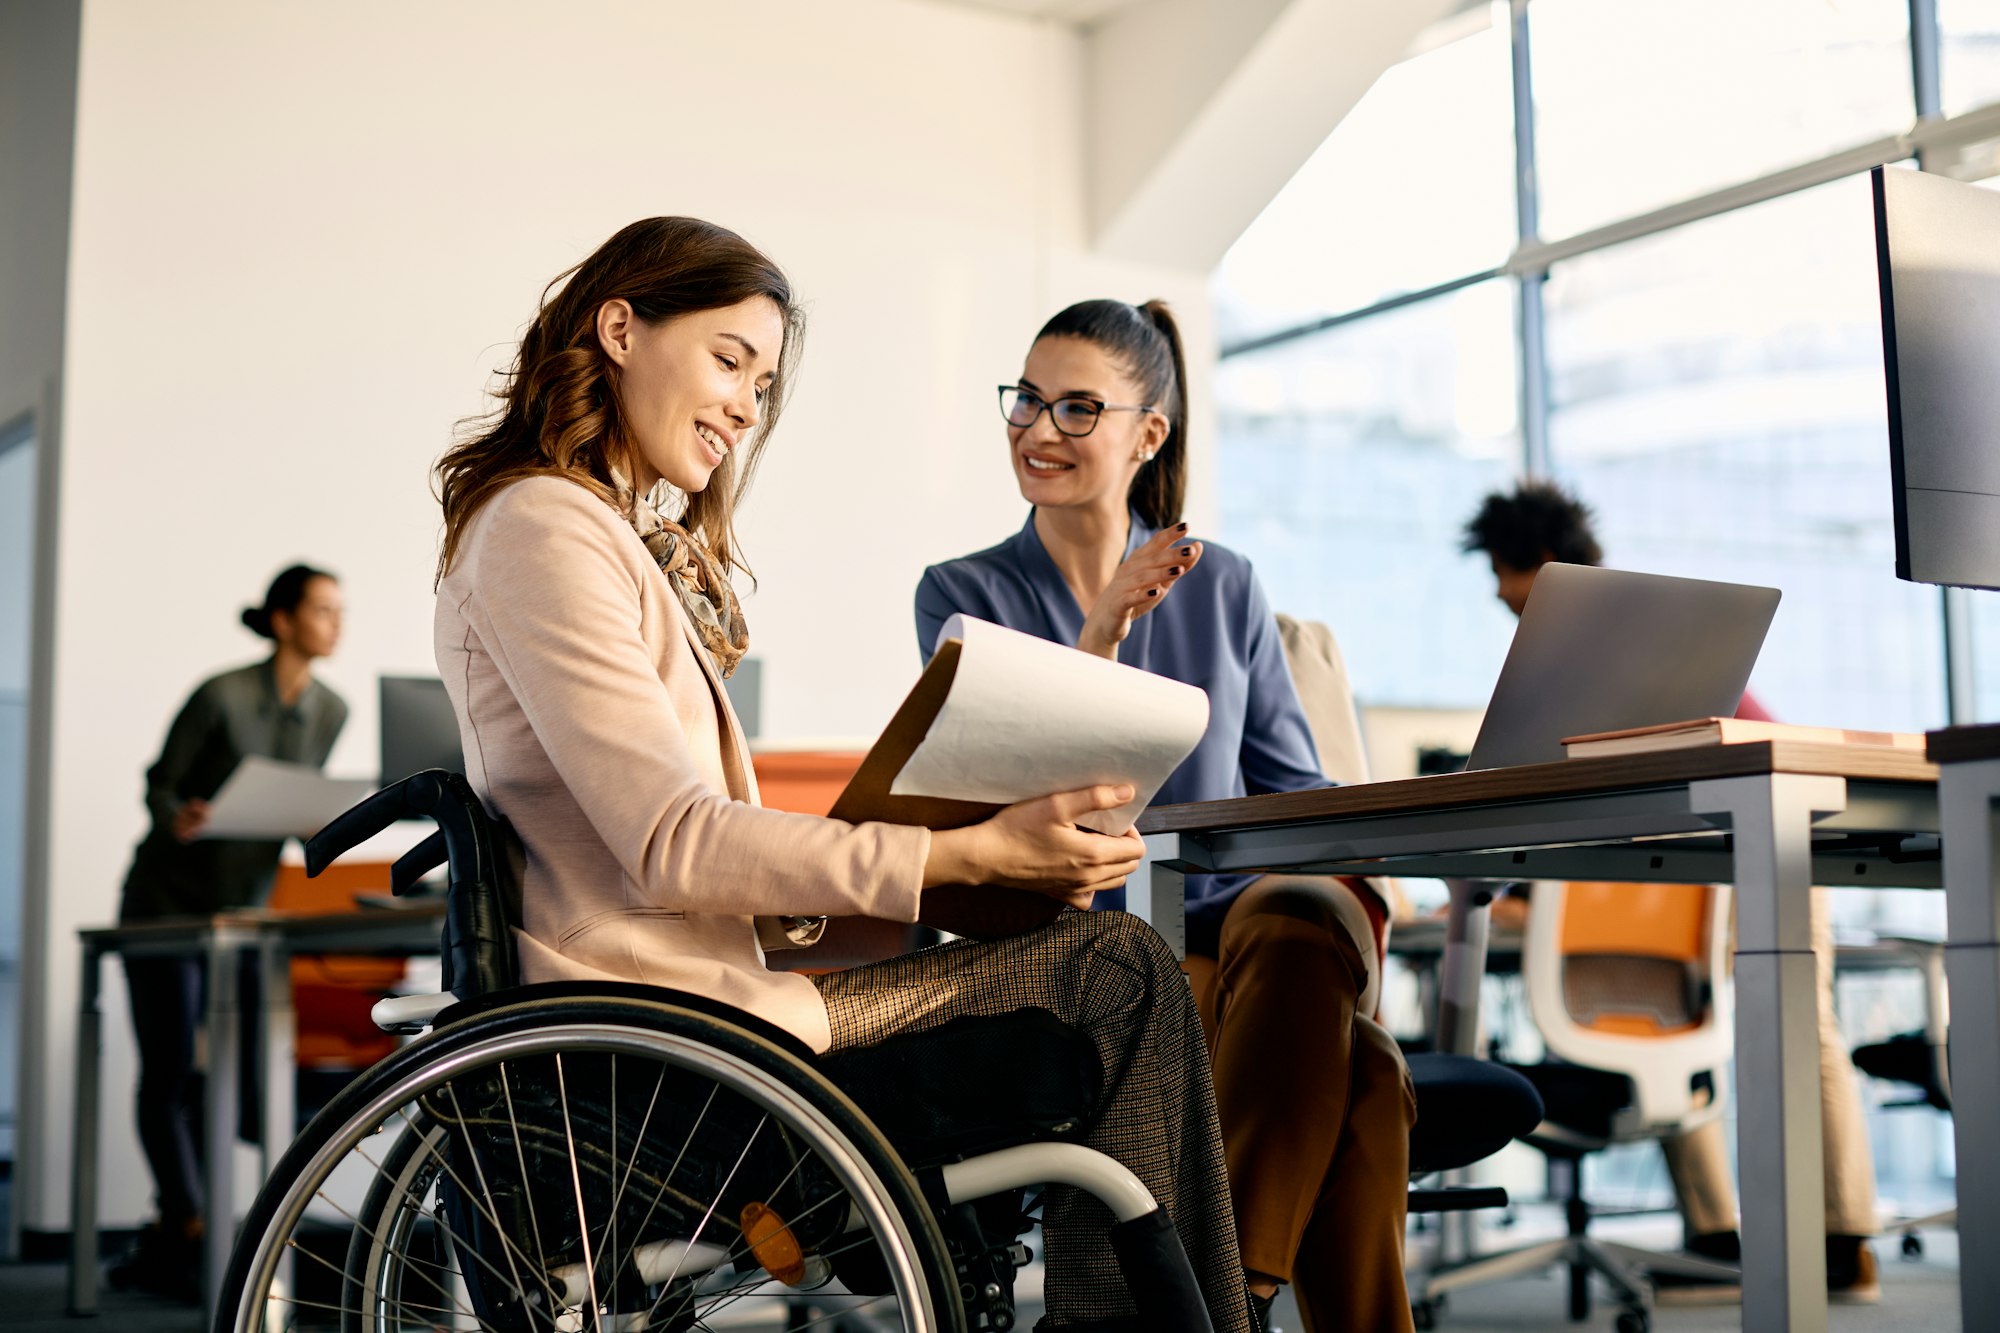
[(1278, 752), (934, 606)]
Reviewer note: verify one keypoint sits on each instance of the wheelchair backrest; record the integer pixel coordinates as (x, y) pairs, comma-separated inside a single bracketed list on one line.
[(482, 861)]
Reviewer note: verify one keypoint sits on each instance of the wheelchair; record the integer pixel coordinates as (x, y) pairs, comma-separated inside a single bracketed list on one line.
[(609, 1158)]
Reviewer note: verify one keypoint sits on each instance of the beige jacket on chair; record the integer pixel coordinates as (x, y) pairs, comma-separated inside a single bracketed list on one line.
[(595, 723)]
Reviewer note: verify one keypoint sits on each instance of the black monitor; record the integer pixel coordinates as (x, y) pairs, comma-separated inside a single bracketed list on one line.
[(419, 728), (1937, 245)]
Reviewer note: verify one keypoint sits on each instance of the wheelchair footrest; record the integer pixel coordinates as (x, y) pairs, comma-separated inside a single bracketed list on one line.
[(1457, 1198)]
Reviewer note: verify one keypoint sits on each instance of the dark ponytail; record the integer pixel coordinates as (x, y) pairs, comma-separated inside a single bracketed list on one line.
[(286, 592), (1147, 342)]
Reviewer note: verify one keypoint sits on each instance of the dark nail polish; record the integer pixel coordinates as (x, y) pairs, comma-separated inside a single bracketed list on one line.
[(1174, 573), (1187, 550), (1152, 592), (1180, 527)]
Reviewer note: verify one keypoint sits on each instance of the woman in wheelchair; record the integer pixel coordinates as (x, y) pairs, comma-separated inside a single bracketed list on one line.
[(594, 1153)]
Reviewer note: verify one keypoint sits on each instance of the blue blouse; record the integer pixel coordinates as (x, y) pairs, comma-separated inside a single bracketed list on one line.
[(1215, 630)]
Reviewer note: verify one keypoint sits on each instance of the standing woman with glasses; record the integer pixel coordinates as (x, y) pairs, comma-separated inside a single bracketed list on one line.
[(1315, 1101)]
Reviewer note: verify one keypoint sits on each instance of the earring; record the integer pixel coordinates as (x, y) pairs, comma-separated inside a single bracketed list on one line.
[(1145, 455)]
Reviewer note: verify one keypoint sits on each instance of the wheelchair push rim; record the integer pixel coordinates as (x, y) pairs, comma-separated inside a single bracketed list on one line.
[(468, 1178)]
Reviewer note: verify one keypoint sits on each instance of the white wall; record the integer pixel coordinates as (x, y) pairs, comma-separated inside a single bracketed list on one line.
[(304, 235)]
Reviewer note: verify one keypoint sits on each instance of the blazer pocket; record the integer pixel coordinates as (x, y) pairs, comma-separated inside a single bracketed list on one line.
[(628, 914)]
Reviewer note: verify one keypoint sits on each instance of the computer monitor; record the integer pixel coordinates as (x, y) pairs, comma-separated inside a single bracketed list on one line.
[(419, 728), (1937, 245)]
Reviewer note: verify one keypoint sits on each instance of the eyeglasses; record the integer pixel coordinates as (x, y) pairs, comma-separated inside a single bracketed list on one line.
[(1073, 415)]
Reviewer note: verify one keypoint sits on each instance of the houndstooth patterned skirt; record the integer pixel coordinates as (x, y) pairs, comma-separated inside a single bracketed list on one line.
[(1112, 977)]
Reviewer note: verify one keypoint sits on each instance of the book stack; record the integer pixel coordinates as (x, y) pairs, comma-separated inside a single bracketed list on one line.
[(1704, 731)]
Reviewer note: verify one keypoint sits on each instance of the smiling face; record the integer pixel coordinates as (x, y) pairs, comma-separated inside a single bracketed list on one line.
[(691, 388), (1091, 471)]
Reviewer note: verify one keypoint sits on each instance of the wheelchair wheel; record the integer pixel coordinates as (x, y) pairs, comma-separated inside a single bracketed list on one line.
[(589, 1165)]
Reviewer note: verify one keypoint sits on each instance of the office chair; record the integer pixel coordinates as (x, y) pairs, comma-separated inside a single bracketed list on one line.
[(1629, 986), (1920, 1060)]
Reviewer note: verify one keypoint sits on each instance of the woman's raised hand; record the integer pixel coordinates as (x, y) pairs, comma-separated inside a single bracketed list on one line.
[(1036, 845), (1139, 585)]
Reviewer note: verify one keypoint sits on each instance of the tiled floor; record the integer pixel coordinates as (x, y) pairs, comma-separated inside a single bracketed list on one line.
[(1920, 1295)]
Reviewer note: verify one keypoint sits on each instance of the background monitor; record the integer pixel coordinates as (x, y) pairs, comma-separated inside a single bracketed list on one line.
[(419, 728), (1937, 245)]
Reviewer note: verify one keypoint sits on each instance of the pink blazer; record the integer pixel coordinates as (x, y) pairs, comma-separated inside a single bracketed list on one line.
[(594, 722)]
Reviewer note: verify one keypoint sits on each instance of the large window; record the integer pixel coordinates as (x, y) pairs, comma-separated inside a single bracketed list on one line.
[(1716, 394), (1711, 386), (1969, 52), (1415, 187), (1352, 459), (1639, 104)]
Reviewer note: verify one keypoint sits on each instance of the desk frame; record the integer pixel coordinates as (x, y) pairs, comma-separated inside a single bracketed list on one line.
[(1773, 819), (221, 941), (1969, 801)]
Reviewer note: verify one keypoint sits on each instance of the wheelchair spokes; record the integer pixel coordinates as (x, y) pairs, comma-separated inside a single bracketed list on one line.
[(578, 1182)]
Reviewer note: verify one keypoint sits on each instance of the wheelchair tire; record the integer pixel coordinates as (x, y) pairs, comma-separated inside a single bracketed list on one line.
[(554, 1165)]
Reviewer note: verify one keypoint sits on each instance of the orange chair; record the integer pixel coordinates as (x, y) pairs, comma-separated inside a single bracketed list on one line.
[(1629, 985), (332, 993)]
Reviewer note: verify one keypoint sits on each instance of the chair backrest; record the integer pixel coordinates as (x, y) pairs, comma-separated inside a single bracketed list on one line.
[(1634, 979), (483, 863), (1319, 673)]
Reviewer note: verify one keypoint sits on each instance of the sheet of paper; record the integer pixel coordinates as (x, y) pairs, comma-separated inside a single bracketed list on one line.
[(1027, 718), (268, 798)]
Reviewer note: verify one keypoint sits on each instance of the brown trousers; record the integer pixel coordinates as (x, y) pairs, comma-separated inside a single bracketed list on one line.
[(1315, 1102)]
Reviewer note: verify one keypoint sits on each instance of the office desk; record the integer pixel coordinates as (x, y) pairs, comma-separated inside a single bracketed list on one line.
[(1773, 818), (222, 941), (1968, 760)]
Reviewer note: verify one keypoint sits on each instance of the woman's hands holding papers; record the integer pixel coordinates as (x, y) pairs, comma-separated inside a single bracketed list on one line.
[(1037, 846), (1141, 583)]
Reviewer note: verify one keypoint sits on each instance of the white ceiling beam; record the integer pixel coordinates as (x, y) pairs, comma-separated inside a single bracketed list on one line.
[(1199, 111)]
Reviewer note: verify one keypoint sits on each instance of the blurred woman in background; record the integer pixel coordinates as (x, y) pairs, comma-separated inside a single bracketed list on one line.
[(274, 708)]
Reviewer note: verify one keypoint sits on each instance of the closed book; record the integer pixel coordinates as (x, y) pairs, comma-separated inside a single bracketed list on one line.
[(1703, 731)]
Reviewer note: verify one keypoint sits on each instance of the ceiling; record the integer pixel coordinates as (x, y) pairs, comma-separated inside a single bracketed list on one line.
[(1078, 13)]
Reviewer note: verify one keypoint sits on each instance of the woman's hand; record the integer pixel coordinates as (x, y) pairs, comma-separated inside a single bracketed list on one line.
[(1139, 585), (190, 820), (1037, 846)]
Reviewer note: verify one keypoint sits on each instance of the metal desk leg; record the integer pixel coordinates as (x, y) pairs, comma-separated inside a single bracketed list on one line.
[(1967, 796), (1781, 1164), (276, 1030), (1462, 969), (1157, 894), (83, 1160), (224, 1032)]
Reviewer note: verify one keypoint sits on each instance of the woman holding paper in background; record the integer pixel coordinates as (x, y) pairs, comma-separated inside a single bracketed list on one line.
[(274, 708), (585, 622), (1315, 1100)]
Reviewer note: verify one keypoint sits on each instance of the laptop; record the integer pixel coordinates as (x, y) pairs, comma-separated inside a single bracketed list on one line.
[(1608, 649)]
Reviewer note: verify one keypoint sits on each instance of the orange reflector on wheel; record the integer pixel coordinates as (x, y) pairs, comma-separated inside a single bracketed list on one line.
[(772, 1244)]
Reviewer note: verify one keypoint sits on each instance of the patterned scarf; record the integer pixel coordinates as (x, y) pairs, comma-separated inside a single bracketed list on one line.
[(694, 574)]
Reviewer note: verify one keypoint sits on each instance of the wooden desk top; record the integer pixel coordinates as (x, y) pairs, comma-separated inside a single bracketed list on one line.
[(1569, 777), (1962, 745)]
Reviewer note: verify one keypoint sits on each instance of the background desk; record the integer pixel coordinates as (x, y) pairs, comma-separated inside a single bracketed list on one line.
[(222, 941), (1773, 819)]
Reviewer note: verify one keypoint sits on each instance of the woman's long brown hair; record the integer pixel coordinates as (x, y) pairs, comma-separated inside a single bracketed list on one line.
[(559, 410)]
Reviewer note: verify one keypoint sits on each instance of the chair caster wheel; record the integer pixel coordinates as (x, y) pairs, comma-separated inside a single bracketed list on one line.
[(1424, 1314), (1913, 1246), (1632, 1321)]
